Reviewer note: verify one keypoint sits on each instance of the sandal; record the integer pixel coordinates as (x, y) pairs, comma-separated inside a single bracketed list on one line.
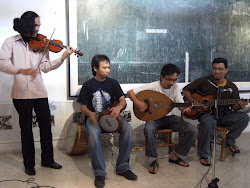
[(177, 161), (234, 149), (155, 166), (205, 164)]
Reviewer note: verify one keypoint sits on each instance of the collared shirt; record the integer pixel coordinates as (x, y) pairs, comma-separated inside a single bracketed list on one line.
[(204, 87), (15, 55)]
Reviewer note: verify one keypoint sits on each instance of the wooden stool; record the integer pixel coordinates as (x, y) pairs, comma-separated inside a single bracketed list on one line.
[(165, 135), (222, 136)]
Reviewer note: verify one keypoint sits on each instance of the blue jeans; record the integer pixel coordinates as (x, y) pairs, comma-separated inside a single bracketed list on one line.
[(189, 133), (95, 148), (237, 121)]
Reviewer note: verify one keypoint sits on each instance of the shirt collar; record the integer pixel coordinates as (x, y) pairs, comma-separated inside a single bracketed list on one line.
[(18, 37)]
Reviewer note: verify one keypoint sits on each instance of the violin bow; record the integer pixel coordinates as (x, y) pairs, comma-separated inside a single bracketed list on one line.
[(45, 49)]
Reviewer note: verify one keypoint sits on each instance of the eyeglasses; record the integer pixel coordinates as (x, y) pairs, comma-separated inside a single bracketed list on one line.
[(170, 80), (219, 69)]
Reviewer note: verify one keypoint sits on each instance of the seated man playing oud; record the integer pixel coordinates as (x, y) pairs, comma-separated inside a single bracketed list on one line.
[(228, 115), (167, 86)]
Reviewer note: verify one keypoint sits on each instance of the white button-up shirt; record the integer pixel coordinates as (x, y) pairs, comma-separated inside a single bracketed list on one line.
[(15, 55)]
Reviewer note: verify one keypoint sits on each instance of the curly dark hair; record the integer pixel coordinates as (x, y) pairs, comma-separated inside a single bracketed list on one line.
[(25, 24)]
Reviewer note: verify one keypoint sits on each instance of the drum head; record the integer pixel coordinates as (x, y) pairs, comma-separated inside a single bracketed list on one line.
[(72, 137), (107, 124)]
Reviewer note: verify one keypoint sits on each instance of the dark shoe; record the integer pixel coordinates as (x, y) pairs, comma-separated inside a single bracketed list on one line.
[(128, 175), (207, 162), (30, 171), (52, 165), (100, 181)]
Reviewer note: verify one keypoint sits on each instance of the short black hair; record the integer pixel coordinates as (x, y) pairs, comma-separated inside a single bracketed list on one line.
[(220, 60), (96, 62), (169, 69), (25, 24)]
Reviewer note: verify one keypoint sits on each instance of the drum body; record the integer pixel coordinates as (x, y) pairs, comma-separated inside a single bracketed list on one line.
[(109, 125), (77, 140)]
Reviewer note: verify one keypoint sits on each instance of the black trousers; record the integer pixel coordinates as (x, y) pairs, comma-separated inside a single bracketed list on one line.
[(24, 108)]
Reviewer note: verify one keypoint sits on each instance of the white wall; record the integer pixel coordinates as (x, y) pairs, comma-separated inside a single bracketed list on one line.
[(52, 14)]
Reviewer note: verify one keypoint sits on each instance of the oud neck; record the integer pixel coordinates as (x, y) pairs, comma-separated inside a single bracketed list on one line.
[(182, 104)]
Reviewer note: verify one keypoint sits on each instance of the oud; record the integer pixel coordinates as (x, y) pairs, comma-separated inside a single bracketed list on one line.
[(159, 105)]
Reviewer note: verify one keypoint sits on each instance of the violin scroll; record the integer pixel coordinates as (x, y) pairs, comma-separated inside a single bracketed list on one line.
[(78, 53)]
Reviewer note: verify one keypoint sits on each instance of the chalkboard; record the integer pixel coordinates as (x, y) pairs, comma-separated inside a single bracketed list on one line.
[(140, 36)]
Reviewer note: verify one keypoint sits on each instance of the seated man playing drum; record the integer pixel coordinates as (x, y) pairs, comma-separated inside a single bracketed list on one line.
[(96, 96)]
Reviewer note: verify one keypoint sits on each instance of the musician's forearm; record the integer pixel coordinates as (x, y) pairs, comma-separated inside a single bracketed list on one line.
[(122, 105), (86, 111), (238, 106), (188, 96), (122, 102), (132, 97)]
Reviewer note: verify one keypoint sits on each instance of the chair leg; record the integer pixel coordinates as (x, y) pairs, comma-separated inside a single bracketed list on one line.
[(169, 142), (223, 145), (199, 143)]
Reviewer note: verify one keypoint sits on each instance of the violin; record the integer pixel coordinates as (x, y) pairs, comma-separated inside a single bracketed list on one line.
[(40, 42)]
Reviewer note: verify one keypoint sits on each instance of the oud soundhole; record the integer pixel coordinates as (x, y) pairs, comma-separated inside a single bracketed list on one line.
[(157, 105)]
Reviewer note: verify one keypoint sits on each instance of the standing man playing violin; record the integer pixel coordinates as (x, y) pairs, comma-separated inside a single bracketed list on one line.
[(28, 91), (228, 114), (167, 86), (97, 95)]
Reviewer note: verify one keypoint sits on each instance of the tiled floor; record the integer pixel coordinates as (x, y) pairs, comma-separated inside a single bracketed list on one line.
[(77, 171)]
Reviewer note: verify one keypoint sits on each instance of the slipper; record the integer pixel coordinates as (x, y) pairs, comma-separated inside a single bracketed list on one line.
[(154, 164), (204, 164), (177, 161), (235, 151)]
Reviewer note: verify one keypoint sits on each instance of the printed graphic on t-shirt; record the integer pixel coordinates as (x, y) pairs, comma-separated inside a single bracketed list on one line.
[(101, 101)]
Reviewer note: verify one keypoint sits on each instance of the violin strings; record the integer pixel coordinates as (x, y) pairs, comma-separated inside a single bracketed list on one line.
[(45, 49)]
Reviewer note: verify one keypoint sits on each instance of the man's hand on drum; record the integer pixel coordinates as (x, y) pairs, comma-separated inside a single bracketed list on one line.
[(115, 111)]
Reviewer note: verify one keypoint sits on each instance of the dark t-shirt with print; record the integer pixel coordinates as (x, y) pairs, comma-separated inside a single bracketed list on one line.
[(99, 96)]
